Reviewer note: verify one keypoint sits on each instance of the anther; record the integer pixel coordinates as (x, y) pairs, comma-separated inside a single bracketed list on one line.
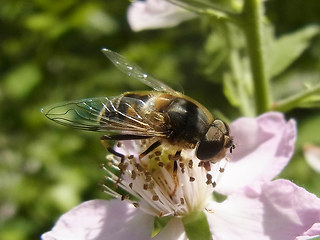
[(135, 204), (125, 197), (157, 153), (190, 164), (133, 174), (160, 164), (155, 197), (148, 176), (209, 210), (207, 166), (123, 166), (192, 179), (181, 165), (139, 167), (209, 179)]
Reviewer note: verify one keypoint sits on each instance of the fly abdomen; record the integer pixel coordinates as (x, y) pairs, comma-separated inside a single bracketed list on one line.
[(127, 108)]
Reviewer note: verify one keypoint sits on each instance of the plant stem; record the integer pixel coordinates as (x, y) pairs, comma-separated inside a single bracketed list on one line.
[(252, 26)]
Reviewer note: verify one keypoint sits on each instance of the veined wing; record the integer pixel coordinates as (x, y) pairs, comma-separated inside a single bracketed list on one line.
[(135, 71), (102, 114)]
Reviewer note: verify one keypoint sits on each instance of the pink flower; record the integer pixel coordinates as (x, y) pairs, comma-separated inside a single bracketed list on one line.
[(151, 14), (255, 207)]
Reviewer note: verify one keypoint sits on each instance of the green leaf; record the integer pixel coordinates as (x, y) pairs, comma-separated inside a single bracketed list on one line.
[(308, 98), (285, 50), (230, 90), (196, 226), (19, 83)]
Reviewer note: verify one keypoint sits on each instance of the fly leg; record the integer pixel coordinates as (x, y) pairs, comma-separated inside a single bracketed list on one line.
[(175, 159), (118, 137), (150, 149), (104, 140)]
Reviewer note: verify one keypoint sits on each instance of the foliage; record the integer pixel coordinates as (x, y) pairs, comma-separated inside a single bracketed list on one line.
[(50, 52)]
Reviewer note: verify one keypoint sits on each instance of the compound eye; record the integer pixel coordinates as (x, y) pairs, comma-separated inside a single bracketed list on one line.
[(224, 128), (214, 144), (211, 144), (208, 149)]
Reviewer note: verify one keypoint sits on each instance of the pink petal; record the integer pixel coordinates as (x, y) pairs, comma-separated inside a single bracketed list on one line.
[(173, 230), (151, 14), (102, 220), (264, 145), (311, 233), (273, 210)]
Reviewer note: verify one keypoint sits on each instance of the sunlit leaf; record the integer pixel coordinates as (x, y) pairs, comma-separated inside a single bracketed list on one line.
[(286, 49), (22, 80)]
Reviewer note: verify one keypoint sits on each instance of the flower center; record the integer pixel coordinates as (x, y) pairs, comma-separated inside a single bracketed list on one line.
[(161, 183)]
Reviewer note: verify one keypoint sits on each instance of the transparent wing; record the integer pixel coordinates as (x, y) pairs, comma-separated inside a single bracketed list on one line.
[(101, 114), (135, 71)]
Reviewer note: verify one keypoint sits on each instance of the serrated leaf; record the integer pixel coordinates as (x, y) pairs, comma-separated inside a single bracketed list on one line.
[(286, 49)]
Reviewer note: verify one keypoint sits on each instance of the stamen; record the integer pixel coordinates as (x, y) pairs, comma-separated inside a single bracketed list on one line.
[(133, 175), (135, 204), (209, 179), (190, 164), (166, 182), (157, 153)]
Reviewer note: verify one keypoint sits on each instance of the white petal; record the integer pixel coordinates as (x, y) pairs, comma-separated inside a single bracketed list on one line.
[(102, 220), (264, 146), (312, 155), (173, 230), (153, 14), (274, 210)]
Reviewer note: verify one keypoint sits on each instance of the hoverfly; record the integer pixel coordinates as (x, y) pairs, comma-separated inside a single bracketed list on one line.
[(164, 116)]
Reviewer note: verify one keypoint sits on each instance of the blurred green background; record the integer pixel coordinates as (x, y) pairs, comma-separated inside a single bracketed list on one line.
[(50, 52)]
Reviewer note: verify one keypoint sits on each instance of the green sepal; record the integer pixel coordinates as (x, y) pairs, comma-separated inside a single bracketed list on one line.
[(196, 226)]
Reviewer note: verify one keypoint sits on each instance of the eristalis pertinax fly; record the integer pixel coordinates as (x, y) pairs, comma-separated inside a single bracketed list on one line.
[(163, 116)]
